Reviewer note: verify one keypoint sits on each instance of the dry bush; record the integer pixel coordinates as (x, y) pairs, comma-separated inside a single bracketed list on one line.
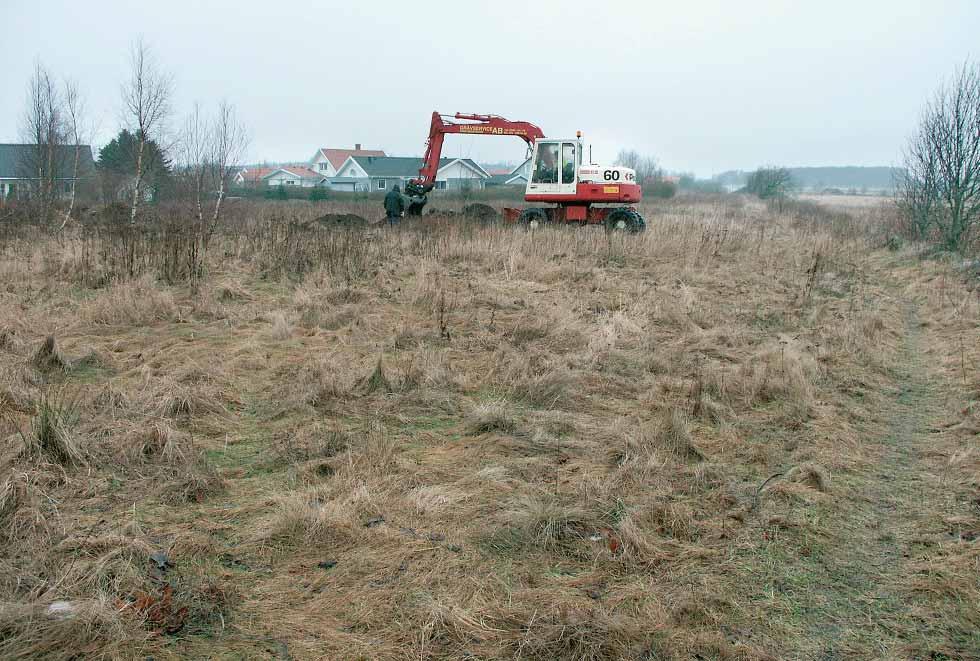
[(280, 327), (136, 303)]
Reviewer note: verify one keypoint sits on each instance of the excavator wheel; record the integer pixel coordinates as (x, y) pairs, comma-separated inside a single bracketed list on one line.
[(625, 219), (532, 218)]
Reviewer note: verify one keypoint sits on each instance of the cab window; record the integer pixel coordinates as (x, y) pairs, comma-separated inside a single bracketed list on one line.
[(568, 163), (546, 167)]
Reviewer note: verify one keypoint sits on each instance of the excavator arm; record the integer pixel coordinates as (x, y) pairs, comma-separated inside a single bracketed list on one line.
[(418, 188)]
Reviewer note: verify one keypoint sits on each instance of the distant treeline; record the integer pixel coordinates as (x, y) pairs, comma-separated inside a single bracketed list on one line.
[(819, 178)]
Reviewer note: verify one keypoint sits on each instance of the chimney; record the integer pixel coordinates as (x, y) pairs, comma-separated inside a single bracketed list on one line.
[(357, 146)]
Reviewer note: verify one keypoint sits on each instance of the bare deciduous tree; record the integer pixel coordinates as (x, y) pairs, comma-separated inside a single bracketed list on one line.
[(43, 129), (770, 182), (194, 152), (208, 151), (74, 110), (941, 186), (146, 99), (646, 167), (229, 140)]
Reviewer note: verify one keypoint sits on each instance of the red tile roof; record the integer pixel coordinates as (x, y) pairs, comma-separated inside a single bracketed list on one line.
[(338, 156), (256, 174), (300, 171)]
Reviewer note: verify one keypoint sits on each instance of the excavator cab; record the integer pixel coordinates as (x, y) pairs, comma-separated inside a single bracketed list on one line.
[(554, 167)]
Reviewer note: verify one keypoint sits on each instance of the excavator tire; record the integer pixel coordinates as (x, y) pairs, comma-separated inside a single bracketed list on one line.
[(625, 219), (532, 218)]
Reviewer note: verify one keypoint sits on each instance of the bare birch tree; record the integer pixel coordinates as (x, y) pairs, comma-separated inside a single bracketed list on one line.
[(42, 128), (146, 99), (229, 140), (74, 116), (194, 155)]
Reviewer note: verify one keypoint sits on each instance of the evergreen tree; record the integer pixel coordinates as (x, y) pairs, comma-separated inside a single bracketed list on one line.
[(117, 165)]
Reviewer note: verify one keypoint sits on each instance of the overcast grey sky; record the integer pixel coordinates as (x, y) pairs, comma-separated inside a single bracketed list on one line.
[(705, 85)]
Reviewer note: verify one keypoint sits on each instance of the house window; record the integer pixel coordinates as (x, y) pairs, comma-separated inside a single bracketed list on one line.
[(381, 184), (290, 183), (323, 166), (440, 185)]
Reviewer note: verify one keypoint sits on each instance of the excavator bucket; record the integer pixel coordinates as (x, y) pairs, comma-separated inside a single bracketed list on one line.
[(416, 199)]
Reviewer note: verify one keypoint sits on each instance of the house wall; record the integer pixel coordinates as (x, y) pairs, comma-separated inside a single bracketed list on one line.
[(288, 180), (388, 182), (456, 175)]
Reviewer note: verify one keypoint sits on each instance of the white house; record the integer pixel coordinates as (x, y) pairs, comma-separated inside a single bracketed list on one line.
[(301, 177), (517, 176), (369, 173), (17, 178), (327, 161)]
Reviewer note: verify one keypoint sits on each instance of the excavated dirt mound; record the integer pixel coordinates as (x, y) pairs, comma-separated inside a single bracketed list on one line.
[(482, 212), (342, 220)]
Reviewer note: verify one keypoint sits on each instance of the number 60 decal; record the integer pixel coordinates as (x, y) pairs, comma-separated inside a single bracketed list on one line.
[(610, 175)]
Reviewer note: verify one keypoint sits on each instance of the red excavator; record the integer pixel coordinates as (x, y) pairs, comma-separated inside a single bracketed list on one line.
[(558, 176)]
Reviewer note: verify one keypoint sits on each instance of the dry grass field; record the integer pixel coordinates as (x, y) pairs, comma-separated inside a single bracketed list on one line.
[(739, 435)]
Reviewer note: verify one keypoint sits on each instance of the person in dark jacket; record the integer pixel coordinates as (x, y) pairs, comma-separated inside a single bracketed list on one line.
[(394, 205)]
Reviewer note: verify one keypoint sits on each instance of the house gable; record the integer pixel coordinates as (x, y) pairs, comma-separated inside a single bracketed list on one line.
[(461, 168), (322, 165)]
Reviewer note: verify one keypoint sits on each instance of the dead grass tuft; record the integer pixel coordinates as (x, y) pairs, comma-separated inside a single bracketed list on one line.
[(280, 327), (377, 381), (137, 303), (52, 434), (48, 356), (671, 432), (543, 523), (586, 634), (68, 630), (812, 475), (22, 515), (491, 416)]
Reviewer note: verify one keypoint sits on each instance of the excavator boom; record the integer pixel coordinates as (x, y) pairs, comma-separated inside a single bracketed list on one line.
[(473, 124)]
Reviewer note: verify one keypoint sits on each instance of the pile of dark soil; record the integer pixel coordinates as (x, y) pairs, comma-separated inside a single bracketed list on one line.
[(481, 212), (342, 220)]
